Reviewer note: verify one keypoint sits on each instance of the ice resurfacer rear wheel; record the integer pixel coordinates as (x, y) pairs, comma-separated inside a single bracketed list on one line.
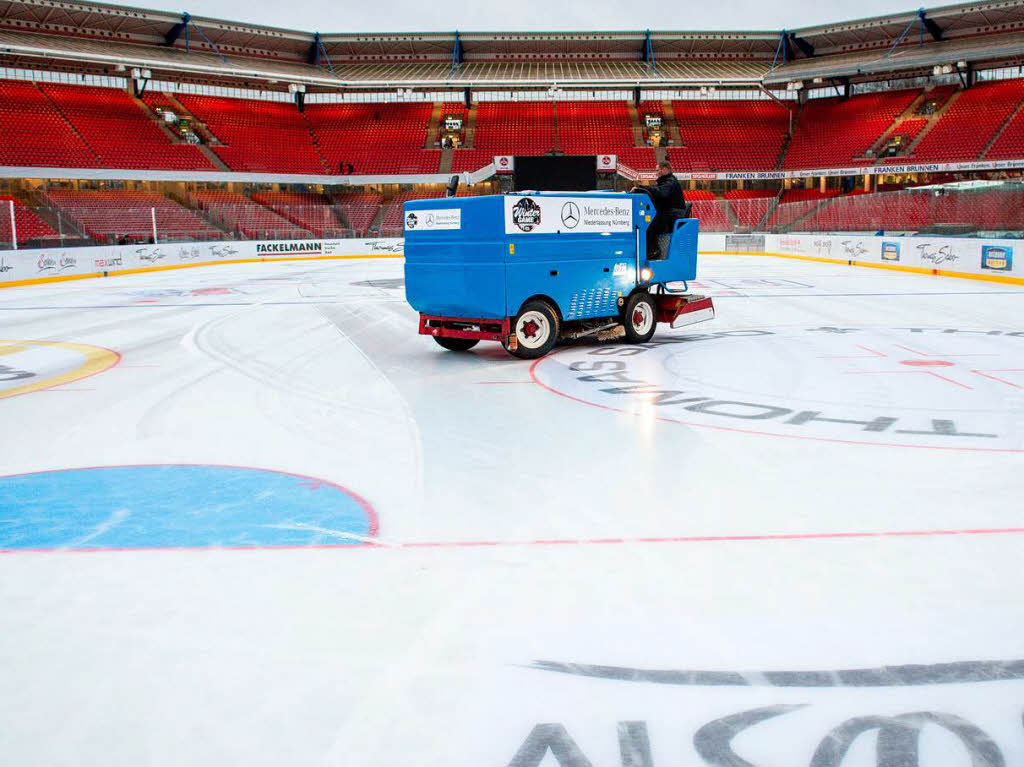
[(536, 328), (456, 344)]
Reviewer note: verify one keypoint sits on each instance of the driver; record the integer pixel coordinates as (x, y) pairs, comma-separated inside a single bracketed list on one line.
[(669, 205)]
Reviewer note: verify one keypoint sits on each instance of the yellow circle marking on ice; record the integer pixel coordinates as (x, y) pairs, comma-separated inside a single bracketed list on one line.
[(93, 359)]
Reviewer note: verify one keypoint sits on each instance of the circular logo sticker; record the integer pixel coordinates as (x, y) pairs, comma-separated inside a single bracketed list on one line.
[(914, 387), (28, 366), (570, 215)]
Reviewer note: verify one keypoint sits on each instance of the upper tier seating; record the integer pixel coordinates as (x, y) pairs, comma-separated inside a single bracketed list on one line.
[(515, 128), (75, 126), (836, 132), (33, 132), (120, 133), (27, 223), (593, 127), (237, 213), (258, 136), (374, 138), (638, 158), (116, 216), (971, 121), (472, 159), (306, 210), (729, 135), (1010, 144)]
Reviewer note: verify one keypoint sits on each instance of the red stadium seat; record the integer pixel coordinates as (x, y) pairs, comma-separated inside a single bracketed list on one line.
[(966, 128), (836, 132), (729, 135), (237, 213), (27, 223), (114, 216)]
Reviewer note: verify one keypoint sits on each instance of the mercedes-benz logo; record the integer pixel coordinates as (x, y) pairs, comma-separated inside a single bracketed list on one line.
[(570, 215), (430, 220)]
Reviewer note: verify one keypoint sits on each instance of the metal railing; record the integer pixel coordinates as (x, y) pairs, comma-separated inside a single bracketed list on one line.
[(972, 209)]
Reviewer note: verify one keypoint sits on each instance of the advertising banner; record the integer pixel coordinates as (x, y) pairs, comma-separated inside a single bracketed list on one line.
[(53, 263), (944, 254), (551, 215)]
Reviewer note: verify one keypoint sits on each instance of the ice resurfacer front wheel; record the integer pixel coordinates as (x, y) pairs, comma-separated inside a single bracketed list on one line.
[(639, 318), (536, 329)]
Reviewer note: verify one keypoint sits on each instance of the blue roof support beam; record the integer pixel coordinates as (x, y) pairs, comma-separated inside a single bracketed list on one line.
[(176, 31), (318, 55), (652, 64), (458, 57), (782, 50)]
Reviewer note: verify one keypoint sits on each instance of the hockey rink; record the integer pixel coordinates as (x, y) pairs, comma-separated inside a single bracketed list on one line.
[(249, 516)]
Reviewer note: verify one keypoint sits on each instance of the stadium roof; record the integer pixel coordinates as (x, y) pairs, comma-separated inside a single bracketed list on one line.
[(99, 38)]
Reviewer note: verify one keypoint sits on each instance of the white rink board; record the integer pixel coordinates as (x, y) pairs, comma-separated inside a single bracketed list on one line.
[(950, 254), (44, 263)]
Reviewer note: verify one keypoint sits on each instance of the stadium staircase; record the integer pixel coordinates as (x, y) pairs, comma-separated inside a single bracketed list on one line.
[(554, 122), (156, 119), (378, 219), (447, 158), (470, 127), (669, 124), (208, 136), (315, 140), (773, 205), (638, 131), (933, 120), (161, 98), (70, 124), (910, 113), (433, 137), (788, 138)]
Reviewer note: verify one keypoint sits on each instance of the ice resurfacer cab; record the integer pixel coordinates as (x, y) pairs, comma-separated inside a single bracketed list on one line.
[(529, 269)]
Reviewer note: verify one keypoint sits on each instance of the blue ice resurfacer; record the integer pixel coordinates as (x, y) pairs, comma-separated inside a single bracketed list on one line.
[(529, 269)]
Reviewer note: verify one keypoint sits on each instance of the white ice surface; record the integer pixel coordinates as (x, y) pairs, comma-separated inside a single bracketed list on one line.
[(398, 655)]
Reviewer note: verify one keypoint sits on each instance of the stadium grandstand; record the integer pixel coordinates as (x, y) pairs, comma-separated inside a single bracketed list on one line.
[(128, 125)]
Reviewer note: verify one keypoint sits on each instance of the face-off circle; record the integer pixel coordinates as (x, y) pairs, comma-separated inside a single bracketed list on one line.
[(30, 366), (178, 506), (915, 387)]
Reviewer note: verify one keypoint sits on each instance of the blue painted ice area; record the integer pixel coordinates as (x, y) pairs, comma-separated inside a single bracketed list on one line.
[(177, 506)]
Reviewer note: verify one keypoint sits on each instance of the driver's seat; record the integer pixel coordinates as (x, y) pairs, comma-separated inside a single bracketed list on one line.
[(665, 240)]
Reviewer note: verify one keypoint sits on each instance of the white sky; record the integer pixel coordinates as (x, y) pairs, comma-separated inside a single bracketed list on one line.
[(516, 15)]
